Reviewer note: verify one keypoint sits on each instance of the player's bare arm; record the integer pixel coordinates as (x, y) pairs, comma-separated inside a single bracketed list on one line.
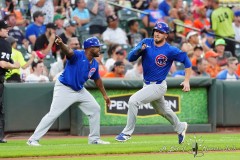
[(99, 84), (185, 83), (7, 65), (66, 50)]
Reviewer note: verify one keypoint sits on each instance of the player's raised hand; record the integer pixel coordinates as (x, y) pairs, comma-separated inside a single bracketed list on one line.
[(186, 86), (58, 40)]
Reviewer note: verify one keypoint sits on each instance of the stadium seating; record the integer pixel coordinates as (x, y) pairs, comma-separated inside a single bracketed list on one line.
[(48, 60)]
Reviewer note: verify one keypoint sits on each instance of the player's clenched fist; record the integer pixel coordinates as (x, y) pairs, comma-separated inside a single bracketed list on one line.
[(58, 40)]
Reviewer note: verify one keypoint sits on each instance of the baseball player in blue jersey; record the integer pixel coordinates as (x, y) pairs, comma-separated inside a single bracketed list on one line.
[(157, 58), (69, 88)]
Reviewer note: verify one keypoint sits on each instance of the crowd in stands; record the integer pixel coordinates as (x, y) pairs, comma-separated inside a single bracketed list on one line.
[(33, 25)]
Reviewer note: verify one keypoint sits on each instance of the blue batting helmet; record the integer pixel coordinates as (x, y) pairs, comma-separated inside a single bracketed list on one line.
[(161, 26), (91, 42)]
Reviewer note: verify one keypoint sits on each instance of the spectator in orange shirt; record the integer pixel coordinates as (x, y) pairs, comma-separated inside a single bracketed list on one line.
[(213, 68), (201, 22), (117, 71), (102, 69), (10, 9), (197, 53), (238, 70)]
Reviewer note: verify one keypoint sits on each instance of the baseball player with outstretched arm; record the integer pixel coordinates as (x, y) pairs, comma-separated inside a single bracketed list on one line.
[(69, 88), (157, 58)]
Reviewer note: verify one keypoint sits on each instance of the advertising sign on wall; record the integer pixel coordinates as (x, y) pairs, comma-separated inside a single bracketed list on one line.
[(119, 105)]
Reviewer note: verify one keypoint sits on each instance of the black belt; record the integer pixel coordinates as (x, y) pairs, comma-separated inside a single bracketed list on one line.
[(149, 82)]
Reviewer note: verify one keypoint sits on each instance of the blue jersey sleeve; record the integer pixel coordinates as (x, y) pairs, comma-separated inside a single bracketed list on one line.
[(96, 73), (136, 52), (75, 56), (183, 58)]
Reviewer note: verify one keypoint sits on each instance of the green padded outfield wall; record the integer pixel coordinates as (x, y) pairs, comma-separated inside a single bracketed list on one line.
[(26, 104), (193, 108)]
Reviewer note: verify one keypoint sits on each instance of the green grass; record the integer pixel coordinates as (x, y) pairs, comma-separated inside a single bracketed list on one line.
[(163, 146)]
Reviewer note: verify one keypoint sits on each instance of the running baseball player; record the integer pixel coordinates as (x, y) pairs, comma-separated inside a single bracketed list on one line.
[(157, 58), (69, 88)]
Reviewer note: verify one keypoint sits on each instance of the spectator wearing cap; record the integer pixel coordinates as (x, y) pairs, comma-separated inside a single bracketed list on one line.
[(70, 30), (6, 63), (58, 20), (222, 25), (220, 45), (45, 6), (15, 75), (118, 71), (229, 74), (81, 14), (36, 29), (37, 75), (213, 68), (45, 43), (197, 53), (236, 25), (97, 10), (193, 40), (114, 34)]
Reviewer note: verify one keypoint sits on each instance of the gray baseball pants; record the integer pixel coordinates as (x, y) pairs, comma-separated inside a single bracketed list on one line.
[(64, 97), (154, 94)]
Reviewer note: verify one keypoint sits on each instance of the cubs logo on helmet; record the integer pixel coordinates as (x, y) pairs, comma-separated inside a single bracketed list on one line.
[(161, 60), (91, 72), (159, 25)]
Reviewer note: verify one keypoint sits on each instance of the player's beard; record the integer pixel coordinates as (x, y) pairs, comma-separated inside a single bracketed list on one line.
[(159, 40), (94, 53)]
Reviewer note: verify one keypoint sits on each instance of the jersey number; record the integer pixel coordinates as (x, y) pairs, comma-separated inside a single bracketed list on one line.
[(222, 17), (5, 55)]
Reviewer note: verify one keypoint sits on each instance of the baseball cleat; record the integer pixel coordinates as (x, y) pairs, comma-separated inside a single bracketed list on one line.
[(182, 135), (122, 137), (3, 141), (33, 143), (99, 142)]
